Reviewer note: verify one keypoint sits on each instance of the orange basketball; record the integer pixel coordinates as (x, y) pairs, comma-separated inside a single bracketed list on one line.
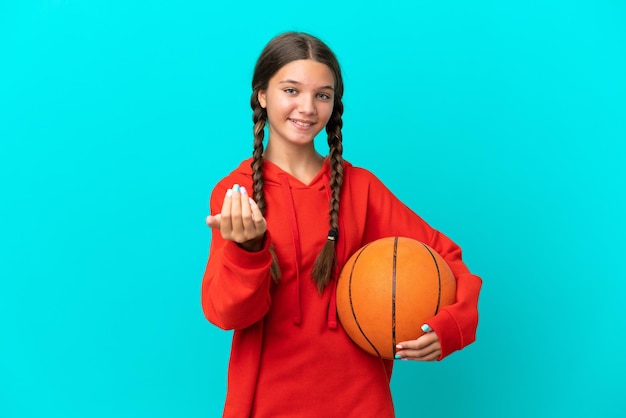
[(388, 289)]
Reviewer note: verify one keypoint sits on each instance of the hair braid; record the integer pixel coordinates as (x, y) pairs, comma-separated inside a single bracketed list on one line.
[(257, 158), (325, 262), (259, 116)]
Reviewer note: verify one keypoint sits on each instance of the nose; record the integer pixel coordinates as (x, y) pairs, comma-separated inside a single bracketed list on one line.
[(306, 105)]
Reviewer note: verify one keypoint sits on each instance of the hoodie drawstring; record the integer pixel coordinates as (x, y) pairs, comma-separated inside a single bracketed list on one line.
[(295, 236)]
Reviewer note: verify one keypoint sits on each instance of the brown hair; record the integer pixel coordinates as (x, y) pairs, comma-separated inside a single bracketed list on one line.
[(282, 50)]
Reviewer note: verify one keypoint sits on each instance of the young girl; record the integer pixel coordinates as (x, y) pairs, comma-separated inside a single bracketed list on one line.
[(284, 223)]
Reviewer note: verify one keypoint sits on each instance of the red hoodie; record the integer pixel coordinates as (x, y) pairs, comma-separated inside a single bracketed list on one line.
[(290, 356)]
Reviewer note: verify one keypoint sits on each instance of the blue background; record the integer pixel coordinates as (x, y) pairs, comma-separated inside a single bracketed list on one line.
[(501, 123)]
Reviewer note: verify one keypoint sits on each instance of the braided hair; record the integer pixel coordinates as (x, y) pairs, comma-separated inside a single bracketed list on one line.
[(281, 50)]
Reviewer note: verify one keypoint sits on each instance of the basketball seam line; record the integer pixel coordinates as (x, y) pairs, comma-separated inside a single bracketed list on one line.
[(352, 305), (438, 278)]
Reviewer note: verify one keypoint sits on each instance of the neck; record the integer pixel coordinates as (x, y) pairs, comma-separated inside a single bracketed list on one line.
[(302, 163)]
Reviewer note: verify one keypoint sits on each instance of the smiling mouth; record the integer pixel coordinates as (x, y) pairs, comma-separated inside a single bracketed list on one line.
[(301, 123)]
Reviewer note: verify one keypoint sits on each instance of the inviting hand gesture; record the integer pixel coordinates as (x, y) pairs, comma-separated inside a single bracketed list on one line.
[(241, 220)]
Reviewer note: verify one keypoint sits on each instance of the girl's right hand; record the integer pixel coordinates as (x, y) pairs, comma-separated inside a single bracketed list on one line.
[(241, 220)]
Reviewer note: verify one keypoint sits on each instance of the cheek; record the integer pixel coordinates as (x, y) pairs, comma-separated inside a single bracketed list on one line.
[(277, 105), (328, 111)]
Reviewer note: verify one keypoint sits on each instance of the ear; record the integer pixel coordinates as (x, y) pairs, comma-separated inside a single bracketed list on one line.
[(262, 98)]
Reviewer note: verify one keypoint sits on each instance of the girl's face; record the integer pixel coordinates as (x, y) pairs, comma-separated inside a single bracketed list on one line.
[(299, 102)]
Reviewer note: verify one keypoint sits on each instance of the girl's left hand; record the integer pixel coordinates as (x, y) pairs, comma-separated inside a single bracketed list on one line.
[(425, 348)]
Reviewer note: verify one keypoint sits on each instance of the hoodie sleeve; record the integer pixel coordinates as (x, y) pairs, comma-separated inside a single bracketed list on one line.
[(455, 324), (236, 282)]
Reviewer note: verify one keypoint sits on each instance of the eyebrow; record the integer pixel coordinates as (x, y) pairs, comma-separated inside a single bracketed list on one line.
[(299, 83)]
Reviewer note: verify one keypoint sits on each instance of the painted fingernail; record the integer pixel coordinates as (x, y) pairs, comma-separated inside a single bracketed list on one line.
[(405, 359), (236, 188), (399, 347), (398, 357), (242, 190), (229, 192), (251, 200), (426, 328)]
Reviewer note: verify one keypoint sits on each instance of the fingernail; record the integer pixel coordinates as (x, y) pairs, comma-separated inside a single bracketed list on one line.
[(405, 359), (397, 356), (236, 188), (229, 192), (399, 347), (426, 328), (251, 200), (242, 190)]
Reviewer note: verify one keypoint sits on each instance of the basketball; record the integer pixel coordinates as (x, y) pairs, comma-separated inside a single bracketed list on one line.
[(388, 289)]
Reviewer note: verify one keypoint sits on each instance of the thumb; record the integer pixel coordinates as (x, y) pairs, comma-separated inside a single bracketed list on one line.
[(213, 221)]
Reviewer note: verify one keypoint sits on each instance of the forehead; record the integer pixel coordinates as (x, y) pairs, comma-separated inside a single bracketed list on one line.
[(307, 72)]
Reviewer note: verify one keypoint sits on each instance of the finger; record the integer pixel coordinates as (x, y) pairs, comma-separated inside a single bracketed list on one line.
[(429, 353), (246, 215), (235, 213), (257, 216), (226, 225), (213, 221), (419, 343)]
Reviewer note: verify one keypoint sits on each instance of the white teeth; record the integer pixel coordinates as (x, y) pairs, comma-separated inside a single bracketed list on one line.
[(301, 123)]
